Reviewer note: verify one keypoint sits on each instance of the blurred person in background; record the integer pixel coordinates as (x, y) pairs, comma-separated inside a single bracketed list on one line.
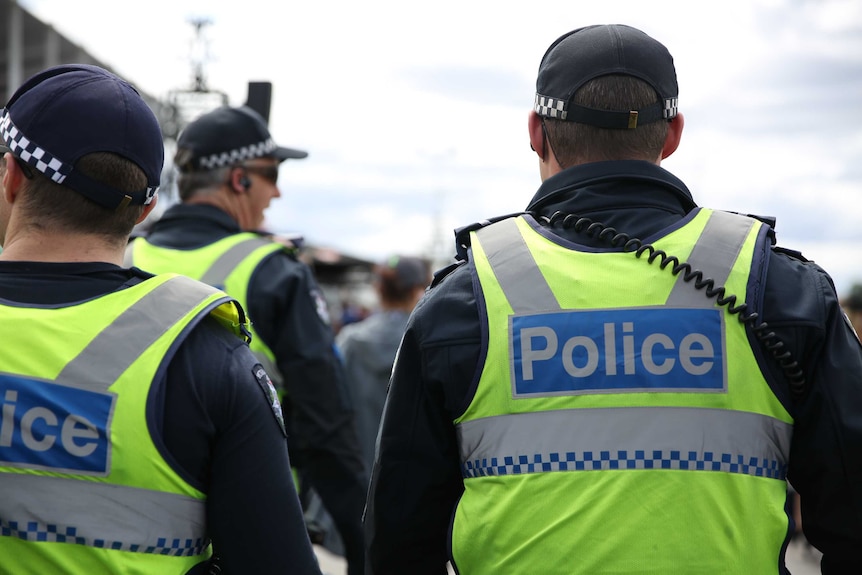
[(368, 346), (228, 174), (852, 305), (137, 426)]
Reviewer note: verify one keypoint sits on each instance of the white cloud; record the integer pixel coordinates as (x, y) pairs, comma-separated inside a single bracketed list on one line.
[(415, 114)]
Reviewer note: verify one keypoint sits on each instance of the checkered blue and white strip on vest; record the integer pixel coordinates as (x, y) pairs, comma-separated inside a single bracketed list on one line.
[(615, 438), (97, 514)]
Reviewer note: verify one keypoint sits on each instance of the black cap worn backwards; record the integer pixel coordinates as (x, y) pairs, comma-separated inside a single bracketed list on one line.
[(586, 53), (225, 137), (68, 111)]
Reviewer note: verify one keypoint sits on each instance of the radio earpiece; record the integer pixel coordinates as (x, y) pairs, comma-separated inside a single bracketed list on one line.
[(245, 182)]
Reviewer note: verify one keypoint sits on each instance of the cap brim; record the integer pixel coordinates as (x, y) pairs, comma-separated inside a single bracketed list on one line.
[(283, 154)]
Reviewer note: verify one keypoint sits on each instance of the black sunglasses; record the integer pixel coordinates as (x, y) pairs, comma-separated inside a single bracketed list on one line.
[(25, 167), (269, 173)]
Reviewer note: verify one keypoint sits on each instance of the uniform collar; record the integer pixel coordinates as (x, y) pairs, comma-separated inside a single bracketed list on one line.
[(203, 214), (611, 176)]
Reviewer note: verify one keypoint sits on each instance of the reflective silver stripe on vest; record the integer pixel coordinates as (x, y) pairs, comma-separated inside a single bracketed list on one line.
[(120, 344), (714, 254), (227, 262), (527, 290), (626, 438), (100, 515), (516, 271)]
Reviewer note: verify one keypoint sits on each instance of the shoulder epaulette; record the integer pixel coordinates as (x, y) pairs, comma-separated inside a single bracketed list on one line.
[(440, 274), (462, 235), (797, 255), (768, 220)]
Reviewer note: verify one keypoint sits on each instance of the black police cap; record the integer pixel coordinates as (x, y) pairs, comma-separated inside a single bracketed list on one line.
[(586, 53)]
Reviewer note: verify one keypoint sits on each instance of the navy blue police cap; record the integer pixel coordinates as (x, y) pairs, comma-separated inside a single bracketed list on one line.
[(228, 136), (593, 51), (68, 111)]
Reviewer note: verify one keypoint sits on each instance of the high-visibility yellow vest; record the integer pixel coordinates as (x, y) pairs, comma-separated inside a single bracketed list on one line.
[(621, 423), (227, 264), (84, 488)]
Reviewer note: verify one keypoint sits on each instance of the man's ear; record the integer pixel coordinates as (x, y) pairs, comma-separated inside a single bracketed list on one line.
[(674, 134), (239, 181), (537, 134), (148, 208), (13, 176)]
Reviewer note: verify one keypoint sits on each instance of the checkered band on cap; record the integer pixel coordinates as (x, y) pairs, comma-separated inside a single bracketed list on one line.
[(53, 168), (671, 106), (150, 194), (238, 155), (31, 153), (548, 107)]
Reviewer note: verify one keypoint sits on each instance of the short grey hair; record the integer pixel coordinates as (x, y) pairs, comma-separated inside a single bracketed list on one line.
[(190, 183)]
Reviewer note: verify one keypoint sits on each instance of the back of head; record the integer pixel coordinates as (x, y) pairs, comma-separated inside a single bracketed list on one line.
[(400, 277), (220, 139), (90, 145), (606, 93)]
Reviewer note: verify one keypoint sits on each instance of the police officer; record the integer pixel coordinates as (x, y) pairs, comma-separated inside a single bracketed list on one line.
[(138, 433), (618, 380), (229, 166)]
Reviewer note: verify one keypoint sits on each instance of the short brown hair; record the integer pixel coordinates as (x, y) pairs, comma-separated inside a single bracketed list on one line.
[(59, 208), (399, 276), (575, 143)]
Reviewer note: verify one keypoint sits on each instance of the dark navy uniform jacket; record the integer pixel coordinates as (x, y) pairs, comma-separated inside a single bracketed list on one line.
[(286, 306), (441, 356), (210, 416)]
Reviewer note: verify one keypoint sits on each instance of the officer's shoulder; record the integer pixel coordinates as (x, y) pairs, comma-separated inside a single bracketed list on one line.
[(211, 337), (462, 246), (771, 222), (290, 243), (792, 254), (462, 234), (445, 272)]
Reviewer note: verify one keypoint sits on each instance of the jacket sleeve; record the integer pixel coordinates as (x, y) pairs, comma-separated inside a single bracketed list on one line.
[(826, 450), (416, 479), (221, 429), (290, 316)]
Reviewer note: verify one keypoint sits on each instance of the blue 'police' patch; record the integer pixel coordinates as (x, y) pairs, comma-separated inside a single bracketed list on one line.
[(271, 394), (617, 351), (44, 425)]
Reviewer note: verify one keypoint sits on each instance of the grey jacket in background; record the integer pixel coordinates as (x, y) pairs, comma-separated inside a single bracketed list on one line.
[(368, 348)]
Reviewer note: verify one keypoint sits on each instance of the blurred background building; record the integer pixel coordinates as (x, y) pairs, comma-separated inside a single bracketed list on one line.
[(28, 45)]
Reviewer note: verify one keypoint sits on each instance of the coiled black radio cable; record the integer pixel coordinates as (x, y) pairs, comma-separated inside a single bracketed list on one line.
[(761, 330)]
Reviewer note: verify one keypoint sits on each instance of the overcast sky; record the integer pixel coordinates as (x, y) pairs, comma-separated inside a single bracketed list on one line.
[(414, 114)]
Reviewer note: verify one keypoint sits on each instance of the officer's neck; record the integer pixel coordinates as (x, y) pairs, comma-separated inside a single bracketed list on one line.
[(65, 247)]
